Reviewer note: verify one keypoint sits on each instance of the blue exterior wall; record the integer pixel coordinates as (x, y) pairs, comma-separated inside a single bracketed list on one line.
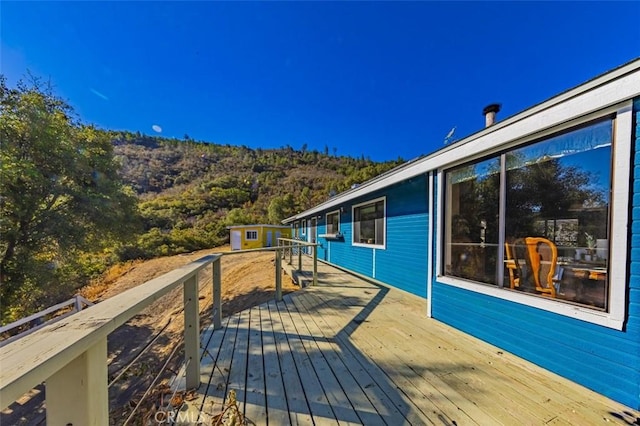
[(602, 359), (403, 263)]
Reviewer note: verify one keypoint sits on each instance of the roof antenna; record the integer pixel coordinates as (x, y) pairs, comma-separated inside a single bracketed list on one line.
[(447, 139)]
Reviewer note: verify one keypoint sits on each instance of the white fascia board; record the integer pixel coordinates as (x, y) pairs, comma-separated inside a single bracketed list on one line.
[(594, 100), (289, 219), (609, 89)]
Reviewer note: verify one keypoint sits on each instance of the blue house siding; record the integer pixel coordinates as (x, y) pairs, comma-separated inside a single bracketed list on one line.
[(322, 248), (600, 358), (402, 263)]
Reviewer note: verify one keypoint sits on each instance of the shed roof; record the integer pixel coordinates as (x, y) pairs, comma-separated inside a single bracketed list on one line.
[(258, 226)]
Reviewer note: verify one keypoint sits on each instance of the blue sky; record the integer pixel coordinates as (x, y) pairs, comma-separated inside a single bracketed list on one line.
[(376, 79)]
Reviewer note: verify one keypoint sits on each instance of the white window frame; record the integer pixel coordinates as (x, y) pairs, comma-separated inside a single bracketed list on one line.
[(246, 235), (326, 223), (303, 227), (384, 224), (619, 221)]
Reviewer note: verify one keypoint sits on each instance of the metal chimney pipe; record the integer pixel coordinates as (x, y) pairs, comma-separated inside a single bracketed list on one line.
[(490, 112)]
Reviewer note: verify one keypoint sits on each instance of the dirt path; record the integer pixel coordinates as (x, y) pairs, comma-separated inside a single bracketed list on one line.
[(247, 280)]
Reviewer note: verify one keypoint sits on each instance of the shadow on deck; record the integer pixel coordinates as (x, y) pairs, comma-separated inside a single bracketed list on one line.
[(350, 351)]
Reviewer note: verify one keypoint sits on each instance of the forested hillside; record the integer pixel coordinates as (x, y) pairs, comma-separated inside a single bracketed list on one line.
[(190, 191), (75, 199)]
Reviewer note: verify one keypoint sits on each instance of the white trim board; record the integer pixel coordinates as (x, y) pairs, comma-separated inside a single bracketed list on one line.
[(384, 224)]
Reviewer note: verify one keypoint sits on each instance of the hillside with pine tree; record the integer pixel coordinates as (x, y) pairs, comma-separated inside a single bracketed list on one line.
[(190, 191), (75, 199)]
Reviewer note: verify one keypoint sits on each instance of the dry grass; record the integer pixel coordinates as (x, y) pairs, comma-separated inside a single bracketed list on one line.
[(99, 286)]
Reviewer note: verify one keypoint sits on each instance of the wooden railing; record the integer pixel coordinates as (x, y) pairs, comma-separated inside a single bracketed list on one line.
[(285, 248), (37, 321), (291, 246), (70, 355)]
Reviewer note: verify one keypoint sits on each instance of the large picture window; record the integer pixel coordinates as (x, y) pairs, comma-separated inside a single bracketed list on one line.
[(333, 223), (536, 219), (369, 223)]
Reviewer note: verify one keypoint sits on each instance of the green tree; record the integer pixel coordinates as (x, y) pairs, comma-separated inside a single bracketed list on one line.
[(238, 217), (281, 208), (59, 194)]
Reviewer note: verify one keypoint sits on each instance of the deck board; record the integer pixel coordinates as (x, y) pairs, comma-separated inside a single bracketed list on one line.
[(425, 368), (317, 352), (213, 398), (352, 352), (278, 412), (237, 379), (424, 398), (255, 405), (299, 413), (371, 379), (321, 410), (357, 408), (344, 367)]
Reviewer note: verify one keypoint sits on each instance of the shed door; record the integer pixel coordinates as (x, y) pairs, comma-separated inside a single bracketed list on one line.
[(269, 239), (236, 240)]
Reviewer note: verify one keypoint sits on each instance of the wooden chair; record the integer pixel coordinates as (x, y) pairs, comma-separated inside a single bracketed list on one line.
[(543, 259), (512, 264), (518, 265)]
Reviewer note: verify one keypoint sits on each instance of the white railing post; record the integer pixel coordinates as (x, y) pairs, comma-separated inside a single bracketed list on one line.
[(315, 265), (217, 294), (278, 277), (192, 332), (299, 257), (77, 394), (78, 303)]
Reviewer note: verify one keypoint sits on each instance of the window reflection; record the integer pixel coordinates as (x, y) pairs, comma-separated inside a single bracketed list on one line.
[(472, 221), (333, 223), (556, 217), (558, 189), (368, 223)]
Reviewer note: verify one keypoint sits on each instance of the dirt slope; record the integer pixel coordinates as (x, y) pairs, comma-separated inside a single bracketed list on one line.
[(247, 279)]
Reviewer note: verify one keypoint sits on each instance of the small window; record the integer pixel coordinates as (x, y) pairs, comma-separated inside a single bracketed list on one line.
[(251, 236), (333, 223), (369, 223), (303, 227)]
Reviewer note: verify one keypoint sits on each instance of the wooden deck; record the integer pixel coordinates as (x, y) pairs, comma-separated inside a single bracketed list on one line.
[(351, 352)]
